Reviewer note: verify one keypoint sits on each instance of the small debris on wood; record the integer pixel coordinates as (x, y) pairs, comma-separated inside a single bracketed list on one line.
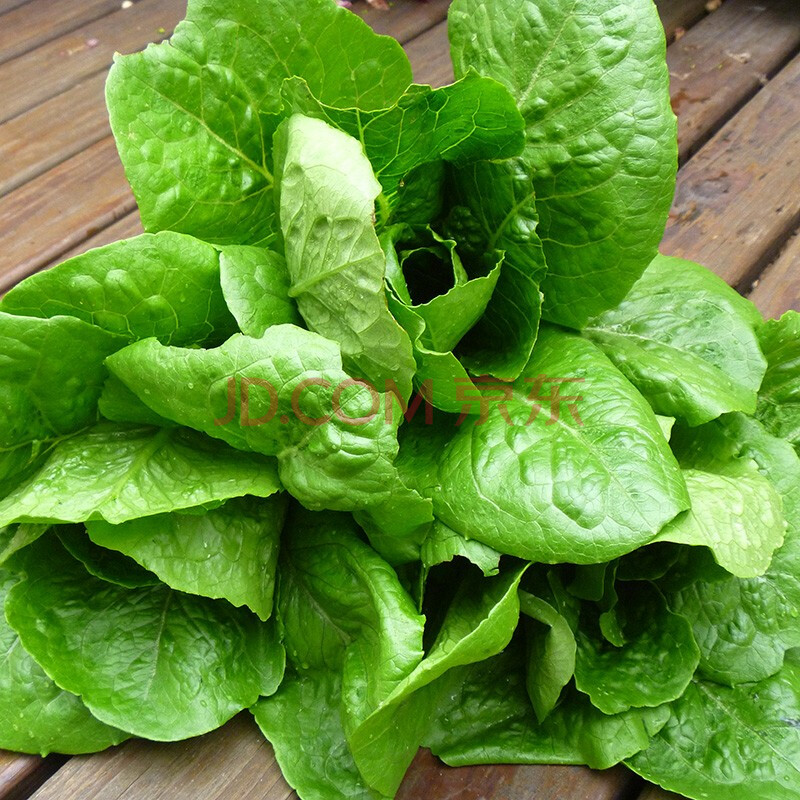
[(344, 3), (713, 5), (742, 58), (382, 5), (92, 42), (679, 33), (126, 3)]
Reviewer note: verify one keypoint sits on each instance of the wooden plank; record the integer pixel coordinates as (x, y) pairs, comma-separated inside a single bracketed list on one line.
[(778, 288), (429, 778), (54, 67), (129, 225), (233, 762), (21, 775), (236, 762), (737, 198), (59, 209), (430, 56), (656, 793), (680, 14), (39, 21), (30, 144), (724, 60), (9, 5), (406, 18)]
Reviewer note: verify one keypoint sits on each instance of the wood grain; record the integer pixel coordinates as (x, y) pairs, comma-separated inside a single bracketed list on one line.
[(59, 64), (59, 209), (21, 775), (38, 21), (656, 793), (430, 57), (737, 199), (406, 19), (8, 5), (31, 144), (778, 288), (129, 225), (724, 60)]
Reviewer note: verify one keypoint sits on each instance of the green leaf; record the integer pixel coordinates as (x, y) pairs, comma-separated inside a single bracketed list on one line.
[(472, 119), (484, 717), (553, 491), (744, 627), (551, 649), (728, 744), (38, 717), (591, 82), (654, 665), (164, 285), (779, 397), (119, 404), (229, 552), (120, 472), (736, 513), (256, 288), (160, 664), (107, 565), (686, 340), (193, 118), (303, 724), (442, 544), (51, 377), (335, 261), (494, 209), (331, 435), (14, 538)]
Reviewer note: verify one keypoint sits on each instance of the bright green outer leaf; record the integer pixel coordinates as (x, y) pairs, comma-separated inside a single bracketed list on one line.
[(743, 627), (559, 492), (193, 118), (165, 285), (157, 663), (255, 284), (686, 340), (484, 716), (495, 210), (303, 723), (51, 375), (736, 513), (229, 552), (779, 397), (121, 472), (442, 544), (551, 653), (601, 144), (334, 444), (655, 664), (728, 744), (666, 424), (472, 119), (107, 565), (335, 260), (38, 717), (479, 624)]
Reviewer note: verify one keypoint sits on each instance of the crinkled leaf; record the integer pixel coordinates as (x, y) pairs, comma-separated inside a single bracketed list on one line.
[(471, 119), (333, 443), (653, 666), (484, 716), (193, 117), (229, 552), (165, 285), (554, 491), (591, 82), (779, 396), (335, 261), (51, 375), (152, 661), (121, 472), (38, 717), (255, 284), (443, 544), (727, 744), (686, 340)]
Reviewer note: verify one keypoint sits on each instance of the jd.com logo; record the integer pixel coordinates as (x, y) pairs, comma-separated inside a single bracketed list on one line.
[(476, 397)]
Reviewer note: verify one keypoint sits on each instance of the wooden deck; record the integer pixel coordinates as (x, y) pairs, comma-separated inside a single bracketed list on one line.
[(736, 90)]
